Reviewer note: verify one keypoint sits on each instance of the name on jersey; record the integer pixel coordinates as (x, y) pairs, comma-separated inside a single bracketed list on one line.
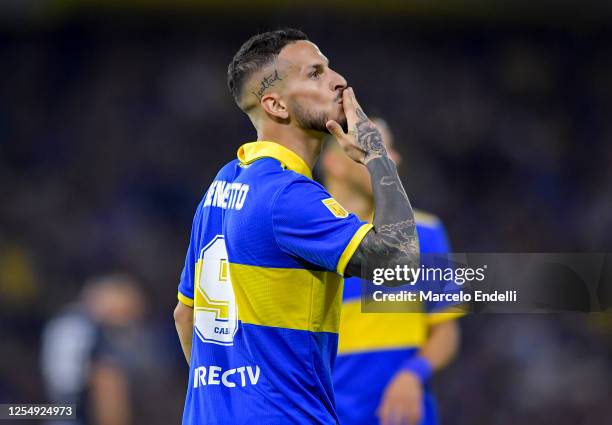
[(230, 378), (226, 195)]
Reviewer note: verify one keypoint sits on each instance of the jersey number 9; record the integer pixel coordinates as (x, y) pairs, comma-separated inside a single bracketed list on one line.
[(215, 313)]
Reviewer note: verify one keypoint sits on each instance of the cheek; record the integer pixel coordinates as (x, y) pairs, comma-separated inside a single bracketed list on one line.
[(316, 100), (310, 93)]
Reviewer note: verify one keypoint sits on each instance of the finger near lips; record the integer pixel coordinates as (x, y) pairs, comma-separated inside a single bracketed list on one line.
[(354, 99), (346, 95), (347, 104), (345, 98), (350, 105)]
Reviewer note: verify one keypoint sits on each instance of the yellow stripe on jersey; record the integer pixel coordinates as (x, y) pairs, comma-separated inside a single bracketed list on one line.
[(287, 298), (426, 219), (379, 331), (185, 300), (352, 247)]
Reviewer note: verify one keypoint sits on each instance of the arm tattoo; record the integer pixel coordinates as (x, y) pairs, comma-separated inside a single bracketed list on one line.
[(266, 82), (368, 137), (393, 240)]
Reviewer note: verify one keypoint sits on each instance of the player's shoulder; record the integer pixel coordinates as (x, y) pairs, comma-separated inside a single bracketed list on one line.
[(298, 188), (297, 195), (431, 231), (217, 186), (426, 219), (228, 171), (301, 180)]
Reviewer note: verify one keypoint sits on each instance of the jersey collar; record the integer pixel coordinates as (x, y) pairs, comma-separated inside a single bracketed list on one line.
[(253, 151)]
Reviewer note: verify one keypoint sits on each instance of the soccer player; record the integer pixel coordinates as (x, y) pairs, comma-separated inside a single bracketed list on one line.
[(261, 290), (84, 359), (385, 359)]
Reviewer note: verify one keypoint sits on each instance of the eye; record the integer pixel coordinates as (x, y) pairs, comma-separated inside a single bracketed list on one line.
[(314, 74)]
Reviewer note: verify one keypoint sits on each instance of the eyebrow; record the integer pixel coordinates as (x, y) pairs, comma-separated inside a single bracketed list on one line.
[(318, 65)]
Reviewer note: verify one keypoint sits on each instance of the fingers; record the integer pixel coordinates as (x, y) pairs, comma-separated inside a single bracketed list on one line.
[(352, 108), (335, 129), (413, 416), (348, 103), (384, 414), (388, 413), (393, 415), (399, 411), (356, 104)]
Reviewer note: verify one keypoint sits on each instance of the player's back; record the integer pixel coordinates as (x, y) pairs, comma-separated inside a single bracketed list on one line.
[(267, 297)]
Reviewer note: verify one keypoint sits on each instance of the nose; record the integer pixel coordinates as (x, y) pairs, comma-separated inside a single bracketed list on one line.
[(338, 81)]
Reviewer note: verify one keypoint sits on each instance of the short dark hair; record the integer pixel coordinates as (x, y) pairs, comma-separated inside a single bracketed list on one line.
[(255, 53)]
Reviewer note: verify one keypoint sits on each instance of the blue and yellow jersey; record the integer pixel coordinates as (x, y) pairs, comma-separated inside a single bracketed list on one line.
[(263, 273), (373, 346)]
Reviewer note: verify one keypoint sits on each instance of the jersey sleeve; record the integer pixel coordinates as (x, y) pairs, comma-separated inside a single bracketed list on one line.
[(311, 225), (185, 287)]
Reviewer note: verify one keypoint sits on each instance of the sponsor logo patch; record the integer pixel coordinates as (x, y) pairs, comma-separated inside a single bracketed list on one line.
[(230, 378), (336, 209)]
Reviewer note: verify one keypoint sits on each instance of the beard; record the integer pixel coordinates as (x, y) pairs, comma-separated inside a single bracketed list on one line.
[(315, 121)]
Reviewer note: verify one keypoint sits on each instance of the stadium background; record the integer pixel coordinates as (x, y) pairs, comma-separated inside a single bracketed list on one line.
[(114, 119)]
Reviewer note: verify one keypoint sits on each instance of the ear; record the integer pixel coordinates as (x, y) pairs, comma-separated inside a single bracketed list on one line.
[(273, 105)]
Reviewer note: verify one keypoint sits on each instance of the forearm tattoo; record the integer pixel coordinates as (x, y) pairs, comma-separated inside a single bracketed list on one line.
[(266, 82), (368, 137), (393, 241)]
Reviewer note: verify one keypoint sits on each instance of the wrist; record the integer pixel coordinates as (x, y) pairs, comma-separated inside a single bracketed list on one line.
[(418, 366), (371, 156)]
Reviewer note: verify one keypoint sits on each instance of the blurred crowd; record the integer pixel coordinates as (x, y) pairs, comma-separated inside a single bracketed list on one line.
[(110, 135)]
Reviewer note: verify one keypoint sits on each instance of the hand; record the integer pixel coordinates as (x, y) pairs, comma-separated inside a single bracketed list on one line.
[(402, 402), (363, 142)]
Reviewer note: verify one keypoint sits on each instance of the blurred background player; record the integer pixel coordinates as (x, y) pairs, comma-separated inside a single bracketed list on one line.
[(385, 359), (90, 349)]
